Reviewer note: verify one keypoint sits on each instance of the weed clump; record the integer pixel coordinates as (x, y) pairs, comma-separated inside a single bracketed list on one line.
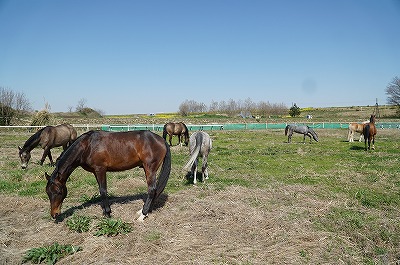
[(49, 254)]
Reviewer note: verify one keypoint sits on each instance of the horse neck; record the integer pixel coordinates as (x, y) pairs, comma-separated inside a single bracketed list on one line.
[(372, 119), (69, 161), (33, 141)]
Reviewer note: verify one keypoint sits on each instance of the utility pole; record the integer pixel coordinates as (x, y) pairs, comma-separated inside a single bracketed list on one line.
[(376, 110)]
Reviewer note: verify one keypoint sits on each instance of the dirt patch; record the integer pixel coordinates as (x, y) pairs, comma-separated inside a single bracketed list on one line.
[(195, 226)]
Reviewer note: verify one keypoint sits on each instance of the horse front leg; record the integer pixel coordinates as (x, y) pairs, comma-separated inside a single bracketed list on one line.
[(102, 182), (349, 137), (46, 153)]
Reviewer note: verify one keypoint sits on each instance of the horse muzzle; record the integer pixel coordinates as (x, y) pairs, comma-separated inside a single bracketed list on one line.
[(55, 212)]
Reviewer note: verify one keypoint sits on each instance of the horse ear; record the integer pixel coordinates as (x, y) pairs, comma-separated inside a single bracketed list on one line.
[(46, 175), (20, 148)]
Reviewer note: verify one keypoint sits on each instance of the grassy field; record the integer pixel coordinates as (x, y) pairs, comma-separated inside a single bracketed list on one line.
[(266, 202)]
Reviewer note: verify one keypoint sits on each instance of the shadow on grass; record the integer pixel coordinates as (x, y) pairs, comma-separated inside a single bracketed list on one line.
[(189, 178), (357, 147), (158, 203)]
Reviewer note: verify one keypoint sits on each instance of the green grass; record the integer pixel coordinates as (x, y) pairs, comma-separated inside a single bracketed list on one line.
[(364, 185)]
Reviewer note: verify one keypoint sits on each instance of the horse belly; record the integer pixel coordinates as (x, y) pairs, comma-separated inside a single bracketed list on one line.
[(118, 159)]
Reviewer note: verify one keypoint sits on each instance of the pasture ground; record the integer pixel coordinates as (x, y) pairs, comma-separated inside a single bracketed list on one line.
[(266, 202)]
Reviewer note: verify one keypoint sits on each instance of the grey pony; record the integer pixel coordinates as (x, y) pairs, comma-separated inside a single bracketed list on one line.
[(302, 129), (200, 145)]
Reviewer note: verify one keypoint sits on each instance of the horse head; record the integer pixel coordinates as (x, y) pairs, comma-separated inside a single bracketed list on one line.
[(372, 118), (24, 156), (57, 192)]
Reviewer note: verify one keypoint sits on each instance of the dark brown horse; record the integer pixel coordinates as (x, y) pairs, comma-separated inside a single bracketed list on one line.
[(369, 133), (47, 137), (179, 128), (99, 152)]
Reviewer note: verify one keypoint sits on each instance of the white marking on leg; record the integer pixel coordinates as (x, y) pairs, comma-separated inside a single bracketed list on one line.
[(142, 217)]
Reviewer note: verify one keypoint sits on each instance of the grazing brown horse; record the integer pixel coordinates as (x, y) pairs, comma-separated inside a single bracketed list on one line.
[(369, 133), (47, 137), (356, 127), (179, 129), (99, 152)]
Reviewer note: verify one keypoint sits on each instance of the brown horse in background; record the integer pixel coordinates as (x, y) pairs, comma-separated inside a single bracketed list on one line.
[(179, 128), (47, 137), (99, 152), (369, 133), (356, 127)]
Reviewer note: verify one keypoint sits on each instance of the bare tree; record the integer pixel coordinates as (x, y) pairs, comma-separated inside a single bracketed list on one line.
[(81, 104), (393, 92), (184, 108), (12, 105)]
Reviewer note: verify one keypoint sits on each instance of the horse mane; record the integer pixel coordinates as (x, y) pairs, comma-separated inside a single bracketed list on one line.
[(71, 152), (34, 140), (287, 129)]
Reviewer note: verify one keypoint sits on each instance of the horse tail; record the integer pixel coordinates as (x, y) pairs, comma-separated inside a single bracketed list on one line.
[(164, 133), (196, 151), (366, 132), (164, 173)]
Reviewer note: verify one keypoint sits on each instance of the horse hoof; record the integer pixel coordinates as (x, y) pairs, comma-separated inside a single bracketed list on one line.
[(142, 217)]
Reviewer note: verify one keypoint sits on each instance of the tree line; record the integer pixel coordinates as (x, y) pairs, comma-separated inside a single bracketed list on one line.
[(15, 104), (233, 108)]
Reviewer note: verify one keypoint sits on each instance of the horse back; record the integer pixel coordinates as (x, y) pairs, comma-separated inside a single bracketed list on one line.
[(58, 135), (118, 151)]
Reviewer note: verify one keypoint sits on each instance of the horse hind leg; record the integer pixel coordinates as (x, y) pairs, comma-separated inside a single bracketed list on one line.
[(204, 168), (194, 171), (151, 193)]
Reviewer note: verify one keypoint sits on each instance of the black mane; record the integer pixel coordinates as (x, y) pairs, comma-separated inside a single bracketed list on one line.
[(33, 141)]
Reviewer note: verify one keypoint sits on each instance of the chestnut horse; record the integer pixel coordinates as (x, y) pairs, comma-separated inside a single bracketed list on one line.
[(356, 127), (99, 152), (369, 133), (179, 128), (47, 137)]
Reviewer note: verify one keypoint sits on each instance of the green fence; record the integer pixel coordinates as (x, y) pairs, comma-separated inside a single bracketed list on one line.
[(241, 126)]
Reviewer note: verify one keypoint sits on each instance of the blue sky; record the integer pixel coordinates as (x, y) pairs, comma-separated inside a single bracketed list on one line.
[(128, 57)]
